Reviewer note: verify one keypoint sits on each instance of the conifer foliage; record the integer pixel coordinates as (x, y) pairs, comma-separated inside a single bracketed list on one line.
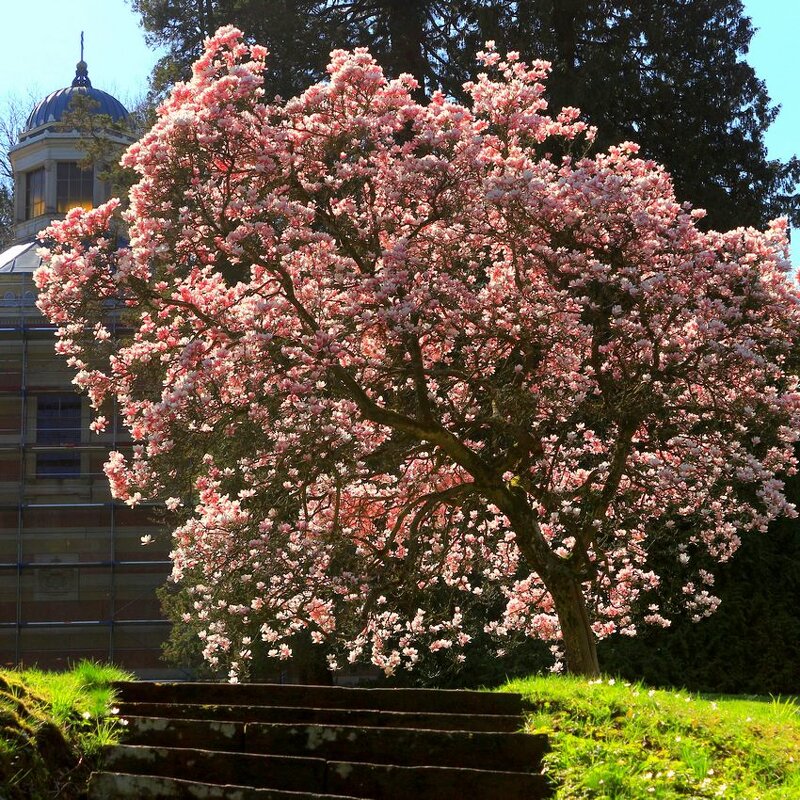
[(383, 346), (670, 75)]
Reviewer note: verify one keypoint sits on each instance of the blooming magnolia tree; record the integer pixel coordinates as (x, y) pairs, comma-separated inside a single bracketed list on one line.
[(379, 352)]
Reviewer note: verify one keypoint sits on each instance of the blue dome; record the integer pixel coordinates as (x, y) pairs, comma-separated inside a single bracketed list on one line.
[(54, 106)]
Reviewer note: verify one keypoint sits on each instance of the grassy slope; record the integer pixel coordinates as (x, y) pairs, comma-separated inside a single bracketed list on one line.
[(611, 740), (51, 727), (621, 741)]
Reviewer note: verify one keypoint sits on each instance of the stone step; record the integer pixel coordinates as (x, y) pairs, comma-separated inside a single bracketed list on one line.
[(398, 746), (313, 775), (219, 740), (440, 701), (298, 715), (211, 766), (383, 782), (108, 785)]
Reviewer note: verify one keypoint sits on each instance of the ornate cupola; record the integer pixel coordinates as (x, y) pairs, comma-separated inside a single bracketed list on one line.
[(51, 175), (48, 113)]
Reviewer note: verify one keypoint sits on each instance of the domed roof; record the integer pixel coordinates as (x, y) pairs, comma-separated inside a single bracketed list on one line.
[(54, 106)]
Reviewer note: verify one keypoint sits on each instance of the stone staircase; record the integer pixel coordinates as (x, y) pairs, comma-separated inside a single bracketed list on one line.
[(288, 742)]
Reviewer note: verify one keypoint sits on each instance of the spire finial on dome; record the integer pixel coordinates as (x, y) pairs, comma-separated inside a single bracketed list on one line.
[(81, 71)]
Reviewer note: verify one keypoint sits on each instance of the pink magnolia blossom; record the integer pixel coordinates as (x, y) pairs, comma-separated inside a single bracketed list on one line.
[(383, 355)]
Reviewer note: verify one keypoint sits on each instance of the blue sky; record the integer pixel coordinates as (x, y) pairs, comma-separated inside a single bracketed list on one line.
[(774, 55), (41, 45)]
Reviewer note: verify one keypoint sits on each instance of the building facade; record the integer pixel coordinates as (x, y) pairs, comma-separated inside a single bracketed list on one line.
[(75, 580)]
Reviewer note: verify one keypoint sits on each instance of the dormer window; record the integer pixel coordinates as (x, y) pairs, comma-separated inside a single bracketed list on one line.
[(34, 193), (74, 187)]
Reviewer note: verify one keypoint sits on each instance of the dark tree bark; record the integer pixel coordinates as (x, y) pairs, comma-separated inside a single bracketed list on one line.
[(580, 644), (406, 24)]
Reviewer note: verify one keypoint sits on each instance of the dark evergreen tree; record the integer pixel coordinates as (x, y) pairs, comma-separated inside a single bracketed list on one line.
[(672, 76), (416, 36), (668, 74), (15, 112), (751, 644), (298, 37), (6, 216)]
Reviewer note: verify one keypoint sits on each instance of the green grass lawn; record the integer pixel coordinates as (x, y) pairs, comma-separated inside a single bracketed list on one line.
[(52, 726), (618, 741)]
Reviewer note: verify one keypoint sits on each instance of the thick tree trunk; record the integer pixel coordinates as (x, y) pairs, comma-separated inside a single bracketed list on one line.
[(567, 18), (580, 646), (406, 23), (308, 665), (564, 17)]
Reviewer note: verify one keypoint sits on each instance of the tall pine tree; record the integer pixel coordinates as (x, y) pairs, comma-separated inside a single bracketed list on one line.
[(672, 76), (297, 34), (668, 74)]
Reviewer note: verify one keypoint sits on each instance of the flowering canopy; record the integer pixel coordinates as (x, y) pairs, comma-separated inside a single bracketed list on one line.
[(383, 352)]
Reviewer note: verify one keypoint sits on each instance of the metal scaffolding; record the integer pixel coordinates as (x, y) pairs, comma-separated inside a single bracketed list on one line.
[(75, 581)]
